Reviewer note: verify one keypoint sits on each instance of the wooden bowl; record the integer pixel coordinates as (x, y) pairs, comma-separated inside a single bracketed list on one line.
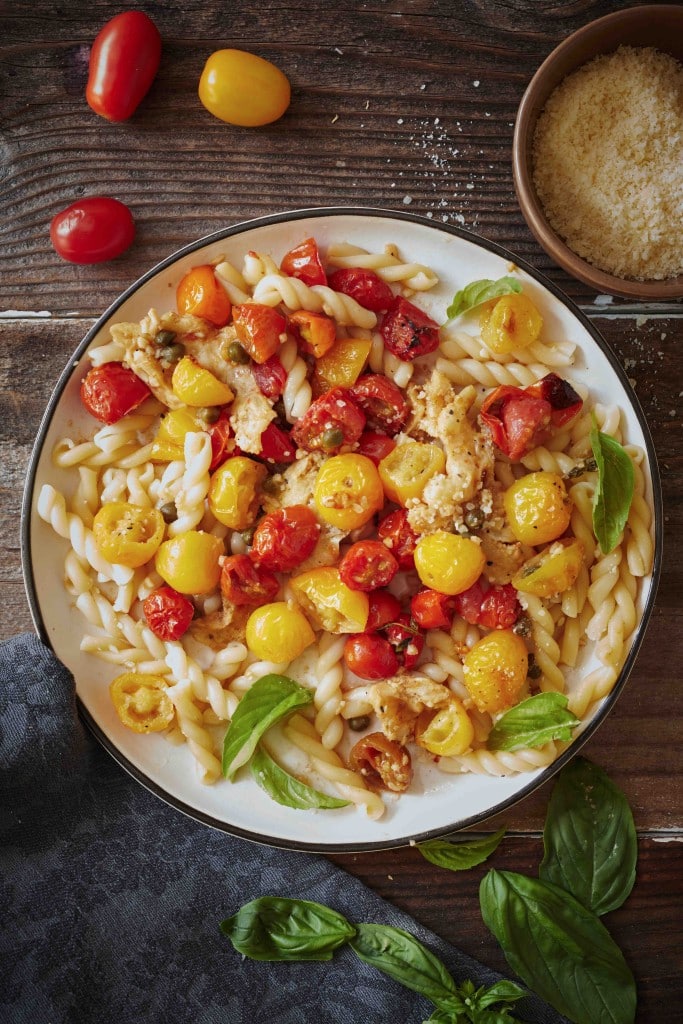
[(659, 26)]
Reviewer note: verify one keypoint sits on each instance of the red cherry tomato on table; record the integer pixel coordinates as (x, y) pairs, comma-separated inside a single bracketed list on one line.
[(383, 608), (110, 391), (382, 402), (431, 609), (407, 331), (92, 230), (365, 286), (124, 60), (375, 446), (367, 565), (330, 422), (370, 656), (303, 261), (285, 538), (245, 583), (168, 613), (396, 533)]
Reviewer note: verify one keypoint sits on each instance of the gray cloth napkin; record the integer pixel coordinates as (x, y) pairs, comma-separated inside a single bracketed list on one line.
[(111, 900)]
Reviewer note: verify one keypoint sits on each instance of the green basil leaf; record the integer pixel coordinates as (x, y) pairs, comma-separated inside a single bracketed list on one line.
[(269, 699), (590, 839), (558, 948), (443, 1017), (501, 992), (278, 928), (533, 722), (459, 855), (406, 960), (481, 291), (285, 789), (614, 494)]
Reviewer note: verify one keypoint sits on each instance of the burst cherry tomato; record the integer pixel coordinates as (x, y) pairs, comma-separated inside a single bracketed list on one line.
[(332, 421), (260, 329), (370, 656), (277, 445), (495, 607), (245, 583), (518, 422), (367, 565), (315, 333), (112, 390), (382, 402), (168, 613), (365, 286), (406, 639), (200, 294), (431, 609), (407, 331), (468, 603), (383, 609), (270, 376), (92, 230), (222, 442), (303, 261), (285, 538), (383, 763), (396, 533), (375, 446), (564, 401), (124, 60)]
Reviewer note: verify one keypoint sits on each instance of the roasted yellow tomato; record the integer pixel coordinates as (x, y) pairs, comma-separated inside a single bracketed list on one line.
[(348, 491), (538, 508), (510, 322), (169, 443), (128, 534), (448, 733), (243, 89), (342, 365), (496, 670), (405, 471), (234, 492), (328, 603), (141, 702), (278, 632), (198, 387), (448, 562), (189, 562), (552, 571)]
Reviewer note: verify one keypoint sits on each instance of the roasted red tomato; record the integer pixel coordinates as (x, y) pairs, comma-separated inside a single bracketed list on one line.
[(270, 376), (303, 261), (200, 294), (124, 60), (564, 401), (407, 331), (406, 639), (495, 607), (383, 763), (222, 442), (517, 421), (92, 230), (382, 402), (468, 603), (168, 613), (365, 286), (285, 538), (260, 329), (396, 533), (277, 445), (331, 422), (383, 609), (370, 656), (375, 446), (315, 333), (431, 609), (245, 583), (367, 565), (111, 390)]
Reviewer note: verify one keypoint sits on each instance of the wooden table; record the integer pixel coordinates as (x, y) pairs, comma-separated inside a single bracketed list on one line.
[(397, 105)]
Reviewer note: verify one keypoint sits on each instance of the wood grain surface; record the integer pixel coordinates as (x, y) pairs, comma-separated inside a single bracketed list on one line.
[(405, 105)]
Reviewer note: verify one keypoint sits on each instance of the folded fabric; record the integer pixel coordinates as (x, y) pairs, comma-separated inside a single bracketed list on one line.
[(111, 900)]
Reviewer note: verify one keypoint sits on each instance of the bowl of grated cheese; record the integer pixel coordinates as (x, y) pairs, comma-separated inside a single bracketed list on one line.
[(598, 153)]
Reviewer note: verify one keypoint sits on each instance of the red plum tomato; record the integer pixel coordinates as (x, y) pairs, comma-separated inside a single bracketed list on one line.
[(124, 60), (92, 230)]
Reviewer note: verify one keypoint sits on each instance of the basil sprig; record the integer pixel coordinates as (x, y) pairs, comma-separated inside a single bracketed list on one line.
[(285, 789), (278, 928), (477, 292), (590, 839), (533, 722), (460, 854), (270, 699), (614, 493)]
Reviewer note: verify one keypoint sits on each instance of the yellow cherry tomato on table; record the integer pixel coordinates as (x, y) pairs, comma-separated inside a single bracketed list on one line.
[(278, 632), (243, 89), (127, 534), (448, 562), (141, 702), (189, 562)]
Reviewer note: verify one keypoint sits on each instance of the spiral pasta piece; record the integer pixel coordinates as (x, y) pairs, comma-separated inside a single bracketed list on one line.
[(501, 762), (297, 394), (387, 265), (199, 741), (328, 695), (194, 486), (489, 373), (274, 289)]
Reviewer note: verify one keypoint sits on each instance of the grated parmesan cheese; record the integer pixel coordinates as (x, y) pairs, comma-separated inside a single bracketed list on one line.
[(608, 163)]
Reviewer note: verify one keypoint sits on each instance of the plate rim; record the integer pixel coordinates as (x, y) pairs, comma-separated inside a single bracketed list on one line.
[(537, 778)]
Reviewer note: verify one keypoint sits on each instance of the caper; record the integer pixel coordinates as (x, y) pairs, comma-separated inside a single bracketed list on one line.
[(474, 518), (359, 723), (209, 414), (534, 670), (522, 626), (169, 512), (164, 337), (587, 466), (332, 438), (270, 485), (237, 354), (172, 353)]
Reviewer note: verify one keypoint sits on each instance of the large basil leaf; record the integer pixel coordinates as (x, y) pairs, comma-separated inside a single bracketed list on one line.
[(590, 839), (559, 948), (285, 789), (269, 699), (278, 928), (406, 960), (476, 1005), (533, 722), (459, 855), (614, 494), (481, 291)]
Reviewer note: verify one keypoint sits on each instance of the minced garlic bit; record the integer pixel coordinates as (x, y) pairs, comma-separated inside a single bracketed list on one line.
[(608, 162)]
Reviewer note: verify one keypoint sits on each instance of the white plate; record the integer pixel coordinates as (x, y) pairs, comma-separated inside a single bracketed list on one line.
[(438, 804)]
